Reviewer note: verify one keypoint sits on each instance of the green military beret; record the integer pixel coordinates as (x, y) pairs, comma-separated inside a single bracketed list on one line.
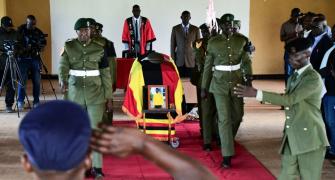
[(203, 26), (81, 23), (227, 18), (237, 23), (98, 26), (92, 21)]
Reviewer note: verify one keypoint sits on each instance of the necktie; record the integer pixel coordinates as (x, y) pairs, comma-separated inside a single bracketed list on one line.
[(136, 31), (185, 30), (294, 78)]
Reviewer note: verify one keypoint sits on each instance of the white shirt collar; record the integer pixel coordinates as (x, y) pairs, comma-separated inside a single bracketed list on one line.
[(301, 70), (317, 39), (134, 18), (187, 26), (320, 36)]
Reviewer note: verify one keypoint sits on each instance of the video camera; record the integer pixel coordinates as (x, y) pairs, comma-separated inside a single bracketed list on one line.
[(35, 44), (10, 46)]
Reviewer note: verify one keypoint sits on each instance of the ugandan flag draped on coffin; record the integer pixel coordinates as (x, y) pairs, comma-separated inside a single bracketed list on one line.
[(145, 73)]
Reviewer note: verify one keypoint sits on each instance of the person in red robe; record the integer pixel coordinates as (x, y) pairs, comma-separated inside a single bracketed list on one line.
[(137, 34)]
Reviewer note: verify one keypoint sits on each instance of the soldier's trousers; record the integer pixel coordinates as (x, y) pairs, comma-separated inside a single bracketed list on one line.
[(199, 100), (308, 165), (208, 118), (95, 112), (230, 113)]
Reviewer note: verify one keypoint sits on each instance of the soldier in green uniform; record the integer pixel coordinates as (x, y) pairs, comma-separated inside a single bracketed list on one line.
[(85, 78), (109, 46), (96, 33), (207, 110), (111, 56), (236, 29), (236, 26), (232, 65), (304, 140)]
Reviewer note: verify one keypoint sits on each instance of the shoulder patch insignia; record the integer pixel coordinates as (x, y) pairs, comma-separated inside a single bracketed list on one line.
[(100, 42), (68, 40)]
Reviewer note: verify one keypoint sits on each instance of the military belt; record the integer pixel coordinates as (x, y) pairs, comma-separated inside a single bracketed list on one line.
[(228, 68), (84, 72)]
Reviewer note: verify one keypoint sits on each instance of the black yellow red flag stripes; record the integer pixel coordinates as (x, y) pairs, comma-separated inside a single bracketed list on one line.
[(145, 73)]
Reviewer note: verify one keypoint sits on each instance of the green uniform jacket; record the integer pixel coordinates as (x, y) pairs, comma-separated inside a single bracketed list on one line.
[(200, 48), (91, 56), (111, 56), (223, 50), (304, 128)]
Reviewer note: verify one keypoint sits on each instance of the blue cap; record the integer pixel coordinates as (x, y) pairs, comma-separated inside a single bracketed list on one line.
[(55, 135)]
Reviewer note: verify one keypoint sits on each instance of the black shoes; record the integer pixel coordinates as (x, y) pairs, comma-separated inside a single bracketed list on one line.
[(95, 173), (98, 173), (207, 147), (330, 156), (89, 173), (226, 163), (9, 109)]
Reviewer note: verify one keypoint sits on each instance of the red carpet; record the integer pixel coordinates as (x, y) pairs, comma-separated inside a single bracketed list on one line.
[(244, 165)]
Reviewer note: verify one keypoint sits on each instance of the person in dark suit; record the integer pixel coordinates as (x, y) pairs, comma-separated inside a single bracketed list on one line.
[(322, 42), (182, 37), (327, 72), (289, 31), (304, 141)]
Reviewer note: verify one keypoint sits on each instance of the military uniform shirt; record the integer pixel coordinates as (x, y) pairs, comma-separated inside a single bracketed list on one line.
[(90, 56), (227, 51)]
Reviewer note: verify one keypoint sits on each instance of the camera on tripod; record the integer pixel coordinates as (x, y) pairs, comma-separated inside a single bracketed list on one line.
[(10, 47), (35, 44)]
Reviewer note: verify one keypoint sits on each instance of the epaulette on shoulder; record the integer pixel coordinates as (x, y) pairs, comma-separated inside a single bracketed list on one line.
[(242, 36), (99, 41), (216, 37), (70, 41)]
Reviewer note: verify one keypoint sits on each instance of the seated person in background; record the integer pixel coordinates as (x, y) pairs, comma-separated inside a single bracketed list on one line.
[(55, 138), (304, 142), (122, 142)]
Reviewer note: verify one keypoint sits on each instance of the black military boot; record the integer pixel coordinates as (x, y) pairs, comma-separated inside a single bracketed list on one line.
[(99, 175), (90, 173), (226, 163), (207, 147)]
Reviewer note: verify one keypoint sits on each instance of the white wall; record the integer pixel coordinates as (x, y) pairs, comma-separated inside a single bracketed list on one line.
[(163, 14)]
